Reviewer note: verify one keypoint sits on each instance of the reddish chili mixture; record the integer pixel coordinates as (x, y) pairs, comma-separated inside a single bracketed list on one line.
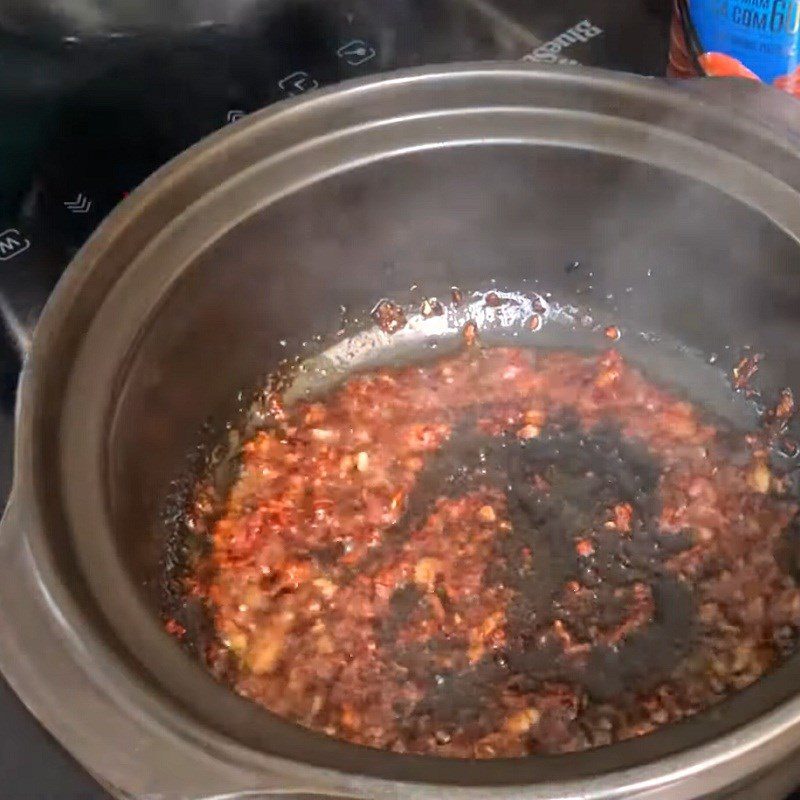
[(502, 553)]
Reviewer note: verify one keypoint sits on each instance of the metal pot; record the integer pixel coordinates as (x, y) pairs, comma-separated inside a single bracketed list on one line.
[(683, 205)]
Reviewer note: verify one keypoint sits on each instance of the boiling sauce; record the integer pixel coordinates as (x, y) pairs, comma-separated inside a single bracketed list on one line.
[(505, 552)]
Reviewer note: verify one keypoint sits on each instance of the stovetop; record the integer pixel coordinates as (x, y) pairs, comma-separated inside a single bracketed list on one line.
[(96, 95)]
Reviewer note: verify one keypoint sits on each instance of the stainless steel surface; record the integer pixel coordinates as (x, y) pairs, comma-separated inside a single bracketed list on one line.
[(258, 234)]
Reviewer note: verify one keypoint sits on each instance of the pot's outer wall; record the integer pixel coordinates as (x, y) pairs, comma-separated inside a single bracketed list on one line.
[(686, 213)]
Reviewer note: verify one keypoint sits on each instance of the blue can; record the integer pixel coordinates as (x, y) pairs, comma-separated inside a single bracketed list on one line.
[(756, 39)]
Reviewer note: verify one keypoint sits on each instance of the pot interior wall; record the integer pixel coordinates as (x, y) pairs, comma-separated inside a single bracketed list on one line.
[(659, 250)]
